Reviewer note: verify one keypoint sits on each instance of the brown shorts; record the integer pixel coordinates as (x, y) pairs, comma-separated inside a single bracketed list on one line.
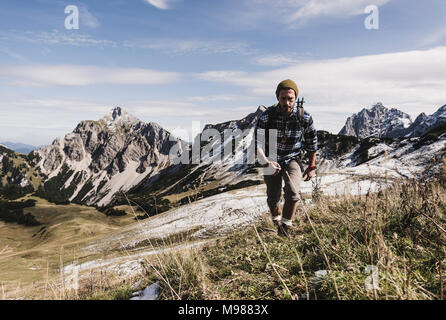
[(291, 190)]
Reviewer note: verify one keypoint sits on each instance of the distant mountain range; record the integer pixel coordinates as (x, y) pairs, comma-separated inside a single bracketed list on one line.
[(119, 153), (382, 122), (20, 147)]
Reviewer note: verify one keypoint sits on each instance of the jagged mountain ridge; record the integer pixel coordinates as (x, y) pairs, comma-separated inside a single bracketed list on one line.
[(101, 158), (224, 171), (119, 152), (331, 149), (424, 123), (378, 121), (382, 122)]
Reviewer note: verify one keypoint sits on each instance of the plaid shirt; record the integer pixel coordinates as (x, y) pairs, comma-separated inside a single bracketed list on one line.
[(290, 127)]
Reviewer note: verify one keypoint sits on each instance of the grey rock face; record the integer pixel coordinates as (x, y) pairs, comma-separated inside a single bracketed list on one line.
[(245, 123), (378, 121), (423, 123), (102, 149)]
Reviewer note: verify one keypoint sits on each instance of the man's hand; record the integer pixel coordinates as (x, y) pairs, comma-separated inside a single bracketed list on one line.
[(309, 173), (274, 167)]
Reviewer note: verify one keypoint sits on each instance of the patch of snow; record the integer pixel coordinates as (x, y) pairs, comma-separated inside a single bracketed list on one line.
[(77, 166), (406, 122), (97, 179), (382, 147), (123, 181), (24, 183), (215, 215)]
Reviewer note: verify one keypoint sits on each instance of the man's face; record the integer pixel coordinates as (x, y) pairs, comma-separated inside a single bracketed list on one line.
[(287, 98)]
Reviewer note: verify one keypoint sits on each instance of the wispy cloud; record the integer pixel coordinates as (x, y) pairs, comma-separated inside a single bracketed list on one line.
[(213, 98), (275, 60), (80, 75), (39, 121), (181, 46), (434, 37), (87, 18), (412, 80), (55, 37), (250, 14), (13, 54), (61, 105), (315, 8), (161, 4)]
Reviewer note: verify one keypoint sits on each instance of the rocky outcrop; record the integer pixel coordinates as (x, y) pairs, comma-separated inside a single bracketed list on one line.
[(378, 121), (423, 123), (112, 154)]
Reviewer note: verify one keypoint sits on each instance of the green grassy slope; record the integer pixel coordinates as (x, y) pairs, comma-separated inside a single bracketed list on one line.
[(27, 254)]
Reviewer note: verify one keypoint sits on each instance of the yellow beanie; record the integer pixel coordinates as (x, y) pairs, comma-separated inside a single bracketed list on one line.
[(287, 84)]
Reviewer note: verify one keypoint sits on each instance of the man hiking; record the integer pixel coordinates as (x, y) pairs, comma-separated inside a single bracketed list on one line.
[(295, 133)]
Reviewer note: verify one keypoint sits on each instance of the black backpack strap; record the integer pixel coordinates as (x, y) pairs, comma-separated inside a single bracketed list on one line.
[(300, 111), (272, 116)]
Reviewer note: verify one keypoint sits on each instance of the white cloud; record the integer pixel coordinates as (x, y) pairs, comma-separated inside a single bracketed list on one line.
[(13, 54), (80, 75), (87, 18), (181, 46), (61, 105), (434, 37), (250, 14), (317, 8), (213, 98), (56, 37), (275, 60), (40, 121), (412, 81), (161, 4)]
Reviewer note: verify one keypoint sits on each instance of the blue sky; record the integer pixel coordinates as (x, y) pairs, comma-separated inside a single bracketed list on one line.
[(178, 61)]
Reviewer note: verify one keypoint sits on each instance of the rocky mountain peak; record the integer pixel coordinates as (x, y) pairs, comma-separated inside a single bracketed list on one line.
[(116, 112), (118, 117), (442, 110), (377, 121), (99, 158), (424, 123), (378, 106), (245, 123)]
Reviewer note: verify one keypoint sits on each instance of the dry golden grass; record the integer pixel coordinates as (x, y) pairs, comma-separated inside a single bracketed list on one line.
[(385, 245), (31, 257)]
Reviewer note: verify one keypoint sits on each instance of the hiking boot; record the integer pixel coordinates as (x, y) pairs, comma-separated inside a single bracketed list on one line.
[(283, 230)]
